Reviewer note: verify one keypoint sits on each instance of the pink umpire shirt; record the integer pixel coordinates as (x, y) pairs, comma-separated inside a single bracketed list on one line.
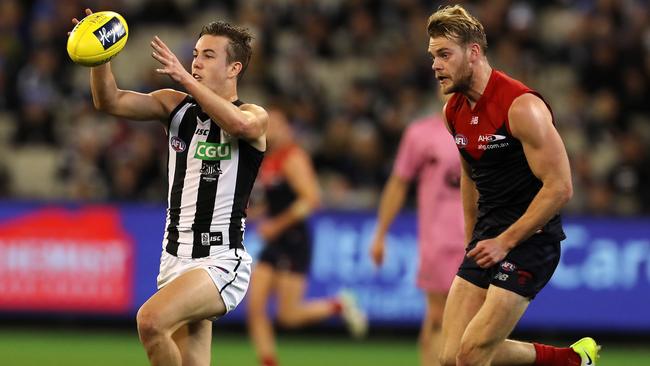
[(428, 154)]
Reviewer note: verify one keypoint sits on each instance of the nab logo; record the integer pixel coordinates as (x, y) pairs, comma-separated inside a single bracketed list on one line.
[(177, 144), (461, 140), (212, 151)]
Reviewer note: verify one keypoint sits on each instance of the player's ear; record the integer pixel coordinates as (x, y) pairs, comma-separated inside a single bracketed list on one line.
[(234, 69), (474, 51)]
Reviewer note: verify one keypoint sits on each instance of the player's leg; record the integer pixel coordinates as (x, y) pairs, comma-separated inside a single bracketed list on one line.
[(260, 326), (194, 340), (293, 311), (486, 333), (190, 298), (430, 334), (463, 302)]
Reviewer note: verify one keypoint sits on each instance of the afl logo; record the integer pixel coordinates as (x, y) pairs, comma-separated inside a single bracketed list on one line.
[(507, 266), (177, 144), (461, 140)]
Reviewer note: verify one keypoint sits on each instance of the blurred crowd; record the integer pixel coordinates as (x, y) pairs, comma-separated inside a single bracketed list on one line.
[(351, 74)]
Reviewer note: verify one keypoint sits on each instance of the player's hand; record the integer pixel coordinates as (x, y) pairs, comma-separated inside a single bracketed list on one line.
[(377, 251), (268, 230), (488, 252), (170, 64), (75, 21)]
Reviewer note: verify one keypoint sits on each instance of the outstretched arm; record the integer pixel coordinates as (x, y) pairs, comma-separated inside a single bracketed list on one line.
[(109, 98)]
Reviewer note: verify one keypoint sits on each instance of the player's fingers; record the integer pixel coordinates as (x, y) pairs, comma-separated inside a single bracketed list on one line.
[(155, 47), (472, 253), (162, 44), (157, 44), (75, 21), (484, 262), (159, 58), (88, 11)]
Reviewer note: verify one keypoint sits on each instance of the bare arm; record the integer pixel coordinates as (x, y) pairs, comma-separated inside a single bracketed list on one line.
[(248, 122), (469, 196), (468, 191), (531, 123), (108, 98), (301, 177), (392, 200)]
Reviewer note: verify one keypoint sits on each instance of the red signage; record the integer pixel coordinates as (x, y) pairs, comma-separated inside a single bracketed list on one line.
[(57, 259)]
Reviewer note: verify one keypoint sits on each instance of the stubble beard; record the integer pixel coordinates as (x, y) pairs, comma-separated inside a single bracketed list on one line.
[(464, 82)]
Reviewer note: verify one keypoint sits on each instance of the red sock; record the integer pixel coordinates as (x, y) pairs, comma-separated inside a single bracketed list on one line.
[(337, 307), (269, 361), (554, 356)]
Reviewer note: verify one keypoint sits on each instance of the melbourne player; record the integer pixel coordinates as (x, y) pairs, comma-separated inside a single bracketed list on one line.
[(514, 181), (216, 144)]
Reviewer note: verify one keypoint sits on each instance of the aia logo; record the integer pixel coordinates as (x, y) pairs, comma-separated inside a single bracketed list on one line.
[(461, 140), (177, 144), (507, 266)]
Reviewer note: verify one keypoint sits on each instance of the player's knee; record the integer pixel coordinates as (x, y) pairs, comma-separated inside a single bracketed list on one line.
[(149, 325), (470, 353), (447, 358)]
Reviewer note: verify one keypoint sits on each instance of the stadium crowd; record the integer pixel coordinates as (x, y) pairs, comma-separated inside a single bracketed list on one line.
[(351, 73)]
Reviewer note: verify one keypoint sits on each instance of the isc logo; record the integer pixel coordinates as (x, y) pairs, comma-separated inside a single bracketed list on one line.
[(212, 151), (202, 131)]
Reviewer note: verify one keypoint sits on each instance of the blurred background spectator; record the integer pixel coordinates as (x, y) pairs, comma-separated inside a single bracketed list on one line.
[(353, 75)]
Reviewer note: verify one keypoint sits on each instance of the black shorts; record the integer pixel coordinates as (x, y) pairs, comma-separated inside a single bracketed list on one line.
[(525, 270), (291, 251)]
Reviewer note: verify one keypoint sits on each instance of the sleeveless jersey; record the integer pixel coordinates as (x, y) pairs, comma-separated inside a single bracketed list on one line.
[(505, 183), (211, 175)]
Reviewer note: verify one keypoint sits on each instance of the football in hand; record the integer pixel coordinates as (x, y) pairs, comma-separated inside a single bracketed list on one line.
[(97, 38)]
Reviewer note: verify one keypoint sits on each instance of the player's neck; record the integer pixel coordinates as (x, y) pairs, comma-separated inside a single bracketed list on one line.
[(480, 80), (227, 91)]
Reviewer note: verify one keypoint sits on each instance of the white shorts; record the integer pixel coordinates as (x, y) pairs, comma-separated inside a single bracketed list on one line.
[(230, 271)]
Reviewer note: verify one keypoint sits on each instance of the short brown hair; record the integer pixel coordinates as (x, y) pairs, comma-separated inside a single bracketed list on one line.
[(239, 48), (455, 23)]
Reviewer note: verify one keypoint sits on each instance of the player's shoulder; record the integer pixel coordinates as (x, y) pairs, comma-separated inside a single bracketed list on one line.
[(170, 99), (251, 107), (260, 114)]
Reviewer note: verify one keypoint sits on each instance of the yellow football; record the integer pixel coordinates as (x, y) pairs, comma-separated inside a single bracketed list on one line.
[(97, 38)]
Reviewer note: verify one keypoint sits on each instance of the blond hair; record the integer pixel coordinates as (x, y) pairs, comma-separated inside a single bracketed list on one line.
[(458, 25)]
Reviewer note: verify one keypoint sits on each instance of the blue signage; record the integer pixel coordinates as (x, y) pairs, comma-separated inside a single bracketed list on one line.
[(602, 281)]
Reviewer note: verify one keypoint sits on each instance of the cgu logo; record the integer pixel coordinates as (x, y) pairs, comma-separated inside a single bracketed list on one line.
[(212, 151)]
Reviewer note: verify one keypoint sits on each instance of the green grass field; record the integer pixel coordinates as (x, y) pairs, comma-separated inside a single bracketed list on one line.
[(121, 348)]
